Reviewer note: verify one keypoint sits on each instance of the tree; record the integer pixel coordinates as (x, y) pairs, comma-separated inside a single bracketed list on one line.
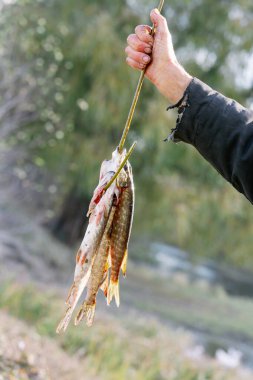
[(70, 92)]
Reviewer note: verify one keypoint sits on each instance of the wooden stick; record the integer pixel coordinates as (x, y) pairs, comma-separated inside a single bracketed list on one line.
[(121, 166), (136, 96)]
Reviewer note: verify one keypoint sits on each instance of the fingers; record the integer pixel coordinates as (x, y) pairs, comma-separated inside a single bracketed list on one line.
[(140, 58), (143, 33), (159, 22), (138, 45), (136, 65)]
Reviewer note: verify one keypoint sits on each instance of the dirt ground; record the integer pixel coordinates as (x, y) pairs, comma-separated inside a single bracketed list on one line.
[(26, 355), (29, 255)]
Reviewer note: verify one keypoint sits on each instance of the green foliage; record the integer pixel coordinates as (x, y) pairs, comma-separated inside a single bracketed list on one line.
[(78, 94), (132, 347)]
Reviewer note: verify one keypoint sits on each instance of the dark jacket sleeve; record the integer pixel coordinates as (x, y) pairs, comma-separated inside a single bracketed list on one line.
[(222, 131)]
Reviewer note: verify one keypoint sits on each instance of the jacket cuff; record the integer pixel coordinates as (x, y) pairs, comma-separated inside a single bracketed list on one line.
[(199, 95)]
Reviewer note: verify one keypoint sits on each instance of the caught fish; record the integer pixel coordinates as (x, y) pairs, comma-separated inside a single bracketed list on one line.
[(113, 244), (99, 211), (121, 229), (95, 240), (99, 274)]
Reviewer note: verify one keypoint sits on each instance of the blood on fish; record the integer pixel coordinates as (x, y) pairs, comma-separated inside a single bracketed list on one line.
[(96, 245)]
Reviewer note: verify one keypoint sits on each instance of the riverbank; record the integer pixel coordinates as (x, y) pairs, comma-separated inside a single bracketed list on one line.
[(166, 327)]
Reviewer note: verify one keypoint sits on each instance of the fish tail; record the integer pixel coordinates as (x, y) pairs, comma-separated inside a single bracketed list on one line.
[(71, 295), (87, 311), (65, 321), (124, 263), (113, 291), (77, 287)]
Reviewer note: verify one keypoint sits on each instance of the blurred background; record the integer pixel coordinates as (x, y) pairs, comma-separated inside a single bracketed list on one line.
[(65, 91)]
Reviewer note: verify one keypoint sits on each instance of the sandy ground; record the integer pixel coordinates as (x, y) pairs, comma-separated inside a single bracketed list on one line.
[(26, 355)]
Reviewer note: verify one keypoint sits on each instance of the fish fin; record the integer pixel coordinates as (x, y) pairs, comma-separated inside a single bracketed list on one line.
[(87, 311), (124, 263), (79, 284), (107, 266), (65, 321), (109, 260), (113, 291), (81, 259), (76, 290), (78, 255), (71, 295), (104, 285)]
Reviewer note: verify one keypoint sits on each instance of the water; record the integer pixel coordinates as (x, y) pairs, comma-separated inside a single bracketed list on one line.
[(173, 260), (228, 350), (212, 345)]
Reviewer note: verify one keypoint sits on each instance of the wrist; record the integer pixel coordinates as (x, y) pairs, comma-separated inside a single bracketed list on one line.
[(174, 82)]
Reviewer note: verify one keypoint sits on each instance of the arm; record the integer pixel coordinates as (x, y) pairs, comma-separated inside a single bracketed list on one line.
[(218, 127)]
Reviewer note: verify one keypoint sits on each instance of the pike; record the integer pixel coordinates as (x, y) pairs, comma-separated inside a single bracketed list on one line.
[(99, 211), (121, 229), (99, 273)]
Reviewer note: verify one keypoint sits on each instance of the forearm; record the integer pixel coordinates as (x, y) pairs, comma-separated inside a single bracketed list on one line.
[(222, 131), (219, 128), (173, 83)]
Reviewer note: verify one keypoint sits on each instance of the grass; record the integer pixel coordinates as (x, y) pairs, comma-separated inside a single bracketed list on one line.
[(189, 304), (136, 348)]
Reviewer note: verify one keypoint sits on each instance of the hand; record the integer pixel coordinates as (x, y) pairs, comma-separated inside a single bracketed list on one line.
[(163, 69)]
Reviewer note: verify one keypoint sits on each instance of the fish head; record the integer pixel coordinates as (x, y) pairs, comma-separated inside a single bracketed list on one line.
[(107, 170), (125, 178), (109, 166), (121, 180)]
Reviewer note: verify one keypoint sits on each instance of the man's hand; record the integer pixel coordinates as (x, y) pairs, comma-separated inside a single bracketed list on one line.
[(157, 53)]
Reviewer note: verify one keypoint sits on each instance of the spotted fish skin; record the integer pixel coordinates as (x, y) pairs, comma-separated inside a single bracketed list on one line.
[(98, 274), (99, 211), (121, 229)]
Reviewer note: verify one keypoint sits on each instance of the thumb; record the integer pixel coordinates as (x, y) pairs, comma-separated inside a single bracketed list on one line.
[(159, 22)]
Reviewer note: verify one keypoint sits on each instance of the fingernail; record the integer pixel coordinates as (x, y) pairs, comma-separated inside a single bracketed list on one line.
[(156, 11), (147, 50), (145, 58)]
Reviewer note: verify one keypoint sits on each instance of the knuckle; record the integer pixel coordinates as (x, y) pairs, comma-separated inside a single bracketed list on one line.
[(137, 29), (149, 37), (141, 47), (140, 30), (130, 38)]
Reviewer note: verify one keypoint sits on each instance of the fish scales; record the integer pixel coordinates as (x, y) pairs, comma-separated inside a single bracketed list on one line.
[(99, 209), (98, 273), (121, 229), (85, 258)]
